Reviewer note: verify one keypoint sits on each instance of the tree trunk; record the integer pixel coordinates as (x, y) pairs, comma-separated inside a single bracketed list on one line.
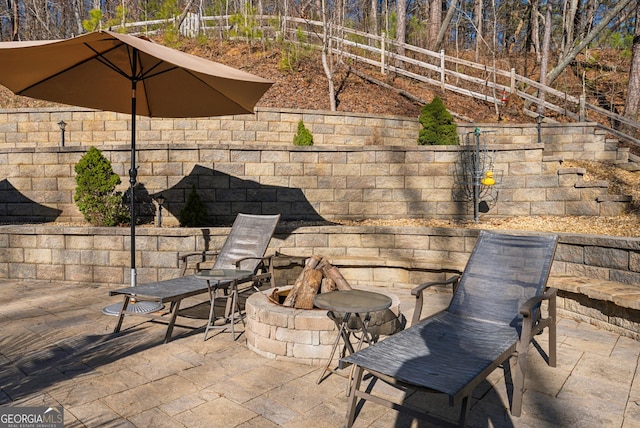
[(326, 56), (604, 22), (401, 28), (477, 11), (569, 16), (373, 17), (15, 19), (546, 47), (633, 89), (435, 17), (535, 29), (445, 25), (77, 15)]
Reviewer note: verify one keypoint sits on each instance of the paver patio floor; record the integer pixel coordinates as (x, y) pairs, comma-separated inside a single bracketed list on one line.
[(57, 348)]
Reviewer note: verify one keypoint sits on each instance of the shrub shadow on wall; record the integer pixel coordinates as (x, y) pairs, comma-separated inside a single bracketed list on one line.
[(225, 196), (16, 208)]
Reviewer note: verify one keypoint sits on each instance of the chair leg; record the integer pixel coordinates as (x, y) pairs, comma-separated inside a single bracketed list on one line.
[(233, 301), (518, 381), (353, 398), (212, 299), (464, 411), (235, 308), (553, 332)]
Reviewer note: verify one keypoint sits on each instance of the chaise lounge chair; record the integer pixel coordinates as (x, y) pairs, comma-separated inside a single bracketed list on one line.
[(240, 261), (493, 315)]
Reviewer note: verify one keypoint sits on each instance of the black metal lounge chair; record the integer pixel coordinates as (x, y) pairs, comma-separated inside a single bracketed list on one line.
[(493, 315), (239, 261)]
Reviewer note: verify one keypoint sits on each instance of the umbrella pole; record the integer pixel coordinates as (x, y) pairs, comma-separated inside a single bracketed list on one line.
[(132, 176), (135, 306)]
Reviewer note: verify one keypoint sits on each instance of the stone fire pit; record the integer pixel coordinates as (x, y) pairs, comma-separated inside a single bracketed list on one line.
[(303, 335)]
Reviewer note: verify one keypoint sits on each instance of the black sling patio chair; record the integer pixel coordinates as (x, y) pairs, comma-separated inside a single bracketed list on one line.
[(493, 315)]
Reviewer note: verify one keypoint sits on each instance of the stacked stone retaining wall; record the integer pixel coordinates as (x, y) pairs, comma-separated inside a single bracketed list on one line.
[(248, 164), (391, 257)]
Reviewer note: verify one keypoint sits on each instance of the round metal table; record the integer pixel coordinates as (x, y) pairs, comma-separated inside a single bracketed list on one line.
[(342, 306)]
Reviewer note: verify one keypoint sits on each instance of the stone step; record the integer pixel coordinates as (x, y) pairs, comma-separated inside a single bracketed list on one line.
[(629, 166)]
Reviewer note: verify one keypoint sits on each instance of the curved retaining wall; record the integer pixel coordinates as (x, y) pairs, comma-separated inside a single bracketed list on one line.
[(382, 256)]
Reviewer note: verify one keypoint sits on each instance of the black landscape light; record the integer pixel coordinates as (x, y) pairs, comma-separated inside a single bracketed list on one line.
[(160, 199), (63, 125), (539, 119)]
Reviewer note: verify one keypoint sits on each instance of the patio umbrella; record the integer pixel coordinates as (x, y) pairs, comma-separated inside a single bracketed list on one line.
[(127, 74)]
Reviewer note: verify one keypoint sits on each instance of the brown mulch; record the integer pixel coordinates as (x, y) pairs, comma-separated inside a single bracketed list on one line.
[(627, 225)]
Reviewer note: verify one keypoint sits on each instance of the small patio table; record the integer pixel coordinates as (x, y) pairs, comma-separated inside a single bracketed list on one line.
[(344, 306)]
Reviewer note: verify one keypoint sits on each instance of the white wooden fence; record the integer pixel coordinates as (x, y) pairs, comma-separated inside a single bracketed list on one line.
[(468, 78)]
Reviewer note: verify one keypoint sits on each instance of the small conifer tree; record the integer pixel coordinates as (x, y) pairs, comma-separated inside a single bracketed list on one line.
[(438, 127), (95, 196), (194, 212), (303, 137)]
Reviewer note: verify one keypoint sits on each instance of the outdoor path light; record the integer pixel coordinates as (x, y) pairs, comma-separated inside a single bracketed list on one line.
[(160, 199), (63, 125), (539, 119)]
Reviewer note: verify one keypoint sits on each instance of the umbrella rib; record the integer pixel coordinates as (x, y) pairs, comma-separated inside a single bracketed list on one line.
[(100, 57)]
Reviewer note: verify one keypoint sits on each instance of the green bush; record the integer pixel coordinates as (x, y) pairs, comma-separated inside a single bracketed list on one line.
[(194, 212), (438, 127), (303, 137), (95, 194)]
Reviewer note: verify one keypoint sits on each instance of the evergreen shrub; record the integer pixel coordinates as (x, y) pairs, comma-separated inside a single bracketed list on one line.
[(438, 127), (95, 196), (303, 137), (194, 213)]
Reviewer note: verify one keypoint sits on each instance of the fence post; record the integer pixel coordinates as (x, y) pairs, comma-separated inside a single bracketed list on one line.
[(382, 55), (513, 81), (442, 69), (583, 109)]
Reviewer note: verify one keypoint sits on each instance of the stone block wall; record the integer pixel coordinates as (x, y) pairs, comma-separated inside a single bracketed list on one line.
[(392, 257), (362, 166), (404, 256)]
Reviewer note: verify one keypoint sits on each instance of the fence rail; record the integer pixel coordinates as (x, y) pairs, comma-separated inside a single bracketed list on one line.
[(479, 81)]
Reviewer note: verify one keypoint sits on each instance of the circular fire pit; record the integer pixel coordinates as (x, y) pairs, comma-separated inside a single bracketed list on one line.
[(303, 335)]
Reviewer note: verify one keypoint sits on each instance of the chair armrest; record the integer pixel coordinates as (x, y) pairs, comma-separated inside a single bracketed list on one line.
[(532, 324), (418, 292), (263, 258), (202, 254), (526, 310)]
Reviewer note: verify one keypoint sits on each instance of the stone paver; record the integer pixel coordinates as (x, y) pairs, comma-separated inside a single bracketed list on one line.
[(56, 348)]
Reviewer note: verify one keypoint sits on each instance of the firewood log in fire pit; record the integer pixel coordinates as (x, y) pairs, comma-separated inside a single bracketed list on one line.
[(318, 275)]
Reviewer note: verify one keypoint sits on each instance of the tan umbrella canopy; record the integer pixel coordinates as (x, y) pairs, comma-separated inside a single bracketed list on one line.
[(127, 74)]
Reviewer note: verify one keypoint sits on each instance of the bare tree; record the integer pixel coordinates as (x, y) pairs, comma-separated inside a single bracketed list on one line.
[(568, 19), (566, 59), (546, 47), (535, 29), (12, 5), (478, 15), (401, 28), (326, 54), (373, 17), (445, 25), (435, 18), (633, 89)]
